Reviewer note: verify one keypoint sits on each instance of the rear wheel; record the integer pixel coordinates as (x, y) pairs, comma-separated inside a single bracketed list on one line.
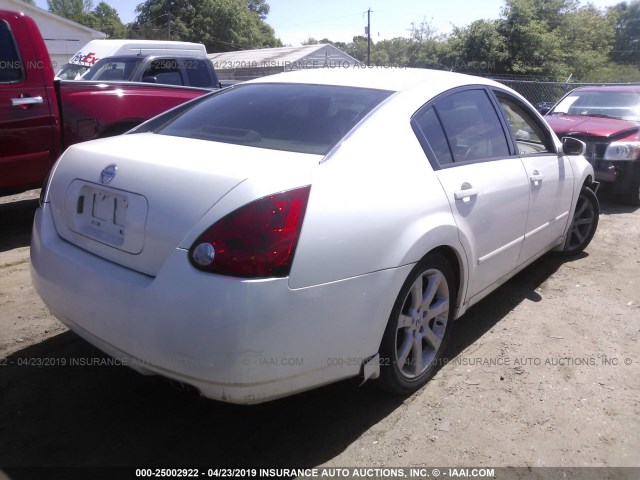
[(583, 224), (419, 326)]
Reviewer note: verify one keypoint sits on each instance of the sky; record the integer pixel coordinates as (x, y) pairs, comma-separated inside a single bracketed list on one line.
[(339, 20)]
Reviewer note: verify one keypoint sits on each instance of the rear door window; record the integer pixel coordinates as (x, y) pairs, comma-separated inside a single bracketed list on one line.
[(472, 126), (198, 73), (11, 68), (164, 70), (428, 123)]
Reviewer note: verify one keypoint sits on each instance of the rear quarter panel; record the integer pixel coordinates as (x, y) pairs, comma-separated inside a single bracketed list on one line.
[(375, 203)]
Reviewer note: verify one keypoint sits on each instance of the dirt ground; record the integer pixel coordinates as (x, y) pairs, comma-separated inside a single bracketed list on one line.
[(544, 372)]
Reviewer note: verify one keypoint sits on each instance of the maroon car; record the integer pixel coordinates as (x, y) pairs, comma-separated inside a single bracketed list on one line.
[(607, 119)]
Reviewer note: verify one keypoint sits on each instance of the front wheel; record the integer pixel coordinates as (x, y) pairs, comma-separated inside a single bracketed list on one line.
[(419, 326), (583, 224)]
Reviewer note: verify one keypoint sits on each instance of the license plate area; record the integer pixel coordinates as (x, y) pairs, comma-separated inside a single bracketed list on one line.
[(106, 215)]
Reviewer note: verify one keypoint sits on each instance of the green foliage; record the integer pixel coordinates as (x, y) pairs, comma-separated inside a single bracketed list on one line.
[(357, 48), (556, 39), (75, 10), (478, 48), (260, 7), (222, 25), (424, 48), (533, 46), (107, 20), (103, 18), (626, 19)]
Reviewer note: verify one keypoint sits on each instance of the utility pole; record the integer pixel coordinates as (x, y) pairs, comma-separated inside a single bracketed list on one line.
[(369, 37)]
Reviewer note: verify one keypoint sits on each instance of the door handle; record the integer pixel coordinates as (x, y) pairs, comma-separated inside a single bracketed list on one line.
[(26, 102), (467, 191), (536, 177)]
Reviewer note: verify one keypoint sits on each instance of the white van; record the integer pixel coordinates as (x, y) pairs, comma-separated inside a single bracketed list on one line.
[(97, 49)]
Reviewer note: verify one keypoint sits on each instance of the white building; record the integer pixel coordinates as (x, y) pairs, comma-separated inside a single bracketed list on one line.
[(244, 65), (62, 36)]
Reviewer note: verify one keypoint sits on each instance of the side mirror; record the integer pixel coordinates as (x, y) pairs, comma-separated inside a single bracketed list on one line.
[(573, 146), (149, 79), (544, 110)]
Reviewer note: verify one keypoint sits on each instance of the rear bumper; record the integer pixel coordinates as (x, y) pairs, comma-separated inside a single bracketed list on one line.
[(235, 340)]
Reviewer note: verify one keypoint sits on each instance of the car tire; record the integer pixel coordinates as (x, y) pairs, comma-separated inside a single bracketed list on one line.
[(419, 327), (584, 223)]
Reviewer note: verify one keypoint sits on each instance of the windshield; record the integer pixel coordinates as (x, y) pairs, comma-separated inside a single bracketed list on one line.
[(606, 104), (113, 68), (71, 71), (291, 117)]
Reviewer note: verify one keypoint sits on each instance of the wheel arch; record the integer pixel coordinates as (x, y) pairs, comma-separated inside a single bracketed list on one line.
[(453, 257), (447, 240), (589, 183)]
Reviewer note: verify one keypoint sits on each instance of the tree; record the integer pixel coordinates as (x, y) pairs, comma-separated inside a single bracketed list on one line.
[(30, 2), (478, 48), (222, 25), (259, 7), (593, 31), (357, 48), (103, 18), (392, 52), (627, 32), (75, 10), (528, 29), (425, 46), (107, 20)]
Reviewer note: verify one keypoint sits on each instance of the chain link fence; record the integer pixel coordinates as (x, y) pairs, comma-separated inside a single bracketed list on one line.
[(542, 92)]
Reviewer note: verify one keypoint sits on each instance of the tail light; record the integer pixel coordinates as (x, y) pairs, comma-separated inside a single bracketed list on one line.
[(257, 240)]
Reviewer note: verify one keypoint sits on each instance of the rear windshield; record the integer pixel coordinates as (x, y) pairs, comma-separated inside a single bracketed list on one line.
[(292, 117)]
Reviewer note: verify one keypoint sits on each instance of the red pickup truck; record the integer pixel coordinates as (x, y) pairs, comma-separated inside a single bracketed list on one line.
[(39, 117)]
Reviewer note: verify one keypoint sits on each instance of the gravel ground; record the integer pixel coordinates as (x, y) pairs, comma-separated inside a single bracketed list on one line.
[(543, 372)]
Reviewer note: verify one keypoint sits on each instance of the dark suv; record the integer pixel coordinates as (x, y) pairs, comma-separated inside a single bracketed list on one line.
[(607, 119)]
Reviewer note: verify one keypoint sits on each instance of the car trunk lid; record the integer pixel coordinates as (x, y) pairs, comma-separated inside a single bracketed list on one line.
[(132, 199)]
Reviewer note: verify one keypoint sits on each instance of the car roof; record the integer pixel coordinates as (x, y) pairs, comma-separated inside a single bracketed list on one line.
[(609, 88), (392, 79)]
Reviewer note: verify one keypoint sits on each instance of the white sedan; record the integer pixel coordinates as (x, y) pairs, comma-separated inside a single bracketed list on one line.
[(307, 227)]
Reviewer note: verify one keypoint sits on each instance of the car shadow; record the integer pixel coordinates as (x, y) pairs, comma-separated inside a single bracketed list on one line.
[(613, 205), (97, 415), (483, 316), (94, 414), (16, 220)]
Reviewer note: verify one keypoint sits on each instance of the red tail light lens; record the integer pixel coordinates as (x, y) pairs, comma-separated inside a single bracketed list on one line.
[(256, 241)]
